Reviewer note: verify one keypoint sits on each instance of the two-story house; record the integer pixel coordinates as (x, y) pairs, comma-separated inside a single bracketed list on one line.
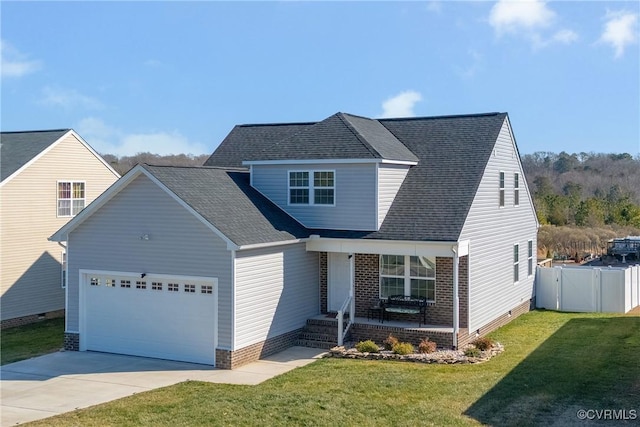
[(47, 178), (224, 264)]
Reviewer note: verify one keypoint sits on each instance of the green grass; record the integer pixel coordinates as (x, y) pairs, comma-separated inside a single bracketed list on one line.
[(23, 342), (554, 364)]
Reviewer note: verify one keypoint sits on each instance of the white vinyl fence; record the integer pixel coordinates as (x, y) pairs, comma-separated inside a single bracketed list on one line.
[(588, 289)]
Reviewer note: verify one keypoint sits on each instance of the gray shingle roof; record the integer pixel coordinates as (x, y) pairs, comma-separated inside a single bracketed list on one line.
[(225, 199), (341, 136), (18, 148), (434, 199)]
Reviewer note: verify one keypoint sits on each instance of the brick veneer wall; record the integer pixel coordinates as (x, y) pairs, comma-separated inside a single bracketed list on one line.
[(72, 341), (378, 333), (227, 359), (367, 289), (32, 318), (324, 271), (502, 320)]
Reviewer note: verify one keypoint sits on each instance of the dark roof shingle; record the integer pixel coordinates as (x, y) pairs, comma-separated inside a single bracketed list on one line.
[(226, 200), (18, 148)]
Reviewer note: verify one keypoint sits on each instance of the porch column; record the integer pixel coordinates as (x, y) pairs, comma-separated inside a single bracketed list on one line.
[(352, 286), (456, 298)]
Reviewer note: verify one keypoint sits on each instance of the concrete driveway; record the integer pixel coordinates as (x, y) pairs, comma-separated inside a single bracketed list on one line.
[(61, 382)]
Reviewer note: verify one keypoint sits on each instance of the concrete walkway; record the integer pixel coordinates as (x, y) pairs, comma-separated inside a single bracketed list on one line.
[(61, 382)]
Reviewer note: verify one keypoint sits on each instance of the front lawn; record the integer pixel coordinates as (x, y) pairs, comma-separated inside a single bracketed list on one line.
[(23, 342), (553, 365)]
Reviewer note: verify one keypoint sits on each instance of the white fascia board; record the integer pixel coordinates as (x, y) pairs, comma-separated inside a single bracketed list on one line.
[(325, 161), (108, 194), (371, 246), (270, 244)]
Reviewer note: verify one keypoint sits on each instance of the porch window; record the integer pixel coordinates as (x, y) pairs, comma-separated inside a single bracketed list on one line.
[(71, 198), (407, 275)]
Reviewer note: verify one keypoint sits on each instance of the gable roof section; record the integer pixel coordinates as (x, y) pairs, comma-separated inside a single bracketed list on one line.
[(221, 198), (434, 200), (19, 148), (225, 199)]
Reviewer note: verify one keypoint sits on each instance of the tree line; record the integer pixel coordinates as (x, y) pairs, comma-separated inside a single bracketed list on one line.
[(123, 164), (585, 189)]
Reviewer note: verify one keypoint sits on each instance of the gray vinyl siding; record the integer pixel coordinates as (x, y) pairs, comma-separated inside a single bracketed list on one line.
[(390, 178), (276, 292), (493, 231), (355, 195), (179, 244)]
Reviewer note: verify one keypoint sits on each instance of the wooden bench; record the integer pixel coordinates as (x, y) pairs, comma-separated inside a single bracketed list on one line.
[(405, 305)]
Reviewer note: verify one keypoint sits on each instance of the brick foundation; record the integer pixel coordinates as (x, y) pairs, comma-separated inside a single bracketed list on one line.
[(378, 333), (465, 338), (32, 318), (227, 359), (72, 341)]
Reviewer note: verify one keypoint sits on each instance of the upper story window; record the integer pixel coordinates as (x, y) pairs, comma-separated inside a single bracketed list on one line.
[(516, 263), (530, 258), (71, 197), (501, 189), (312, 187), (516, 189)]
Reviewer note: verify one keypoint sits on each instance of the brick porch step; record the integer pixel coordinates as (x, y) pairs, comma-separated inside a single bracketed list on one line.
[(319, 333)]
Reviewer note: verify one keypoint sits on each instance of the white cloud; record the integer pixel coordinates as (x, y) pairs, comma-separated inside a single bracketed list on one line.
[(434, 6), (13, 63), (508, 16), (68, 98), (401, 105), (565, 36), (470, 71), (620, 31), (110, 140)]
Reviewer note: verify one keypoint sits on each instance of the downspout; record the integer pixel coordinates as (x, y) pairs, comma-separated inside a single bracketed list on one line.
[(456, 299)]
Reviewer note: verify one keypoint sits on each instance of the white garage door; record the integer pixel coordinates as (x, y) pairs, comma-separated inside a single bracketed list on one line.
[(167, 317)]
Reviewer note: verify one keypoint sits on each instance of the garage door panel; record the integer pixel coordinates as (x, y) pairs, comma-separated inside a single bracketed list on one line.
[(147, 322)]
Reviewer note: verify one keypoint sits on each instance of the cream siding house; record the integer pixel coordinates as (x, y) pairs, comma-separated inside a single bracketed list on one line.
[(47, 177)]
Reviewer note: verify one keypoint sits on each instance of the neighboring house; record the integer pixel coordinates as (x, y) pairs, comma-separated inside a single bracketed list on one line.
[(47, 178), (225, 263)]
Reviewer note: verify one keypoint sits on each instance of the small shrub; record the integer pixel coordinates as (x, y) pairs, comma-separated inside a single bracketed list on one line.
[(367, 346), (427, 346), (472, 352), (483, 343), (390, 342), (403, 348)]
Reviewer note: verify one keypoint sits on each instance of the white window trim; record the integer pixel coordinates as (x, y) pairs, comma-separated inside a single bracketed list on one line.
[(516, 189), (407, 277), (501, 189), (311, 187), (71, 181), (529, 258), (516, 263)]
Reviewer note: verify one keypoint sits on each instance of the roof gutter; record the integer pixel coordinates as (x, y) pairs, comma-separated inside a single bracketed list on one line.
[(267, 245)]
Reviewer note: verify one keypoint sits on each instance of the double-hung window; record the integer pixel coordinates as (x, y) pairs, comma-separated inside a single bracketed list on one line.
[(516, 263), (516, 189), (311, 187), (407, 275), (71, 197), (501, 189), (530, 258)]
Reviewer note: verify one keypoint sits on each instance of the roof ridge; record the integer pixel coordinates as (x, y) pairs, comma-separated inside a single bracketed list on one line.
[(451, 116), (225, 168), (357, 134), (277, 124), (37, 131)]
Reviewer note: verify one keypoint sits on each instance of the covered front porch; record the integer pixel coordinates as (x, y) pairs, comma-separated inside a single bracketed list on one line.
[(355, 275)]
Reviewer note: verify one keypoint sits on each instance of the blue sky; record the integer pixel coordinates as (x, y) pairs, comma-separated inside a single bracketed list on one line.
[(174, 77)]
